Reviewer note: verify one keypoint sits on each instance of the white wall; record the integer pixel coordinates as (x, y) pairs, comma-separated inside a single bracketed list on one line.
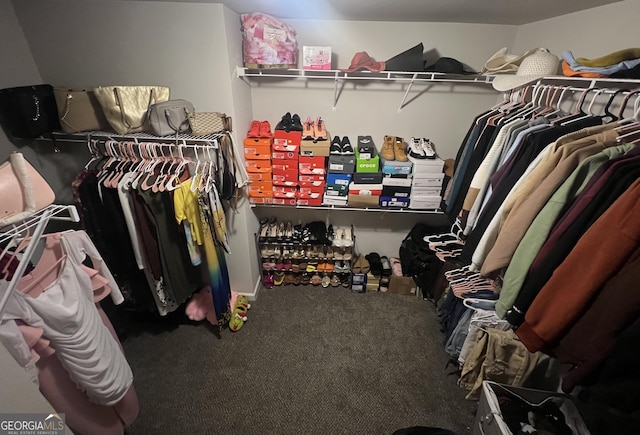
[(180, 45), (591, 33)]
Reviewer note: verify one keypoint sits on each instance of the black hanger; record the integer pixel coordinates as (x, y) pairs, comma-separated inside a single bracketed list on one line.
[(606, 107)]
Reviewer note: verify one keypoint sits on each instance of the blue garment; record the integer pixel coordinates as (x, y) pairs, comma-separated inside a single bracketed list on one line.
[(624, 65)]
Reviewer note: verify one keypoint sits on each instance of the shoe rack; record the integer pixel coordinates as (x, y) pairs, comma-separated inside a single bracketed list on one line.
[(310, 254)]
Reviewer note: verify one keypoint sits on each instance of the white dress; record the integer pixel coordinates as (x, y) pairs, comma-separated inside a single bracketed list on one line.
[(67, 314)]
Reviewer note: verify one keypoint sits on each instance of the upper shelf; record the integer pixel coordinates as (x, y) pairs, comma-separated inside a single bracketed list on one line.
[(342, 77)]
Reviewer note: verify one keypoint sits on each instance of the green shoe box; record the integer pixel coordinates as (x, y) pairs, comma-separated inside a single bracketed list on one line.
[(370, 164)]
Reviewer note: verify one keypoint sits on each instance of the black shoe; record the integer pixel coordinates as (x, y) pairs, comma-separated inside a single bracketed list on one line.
[(365, 145), (375, 263), (296, 124), (336, 146), (346, 147), (285, 123)]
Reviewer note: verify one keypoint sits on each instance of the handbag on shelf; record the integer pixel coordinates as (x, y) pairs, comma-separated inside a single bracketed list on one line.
[(79, 110), (125, 107), (23, 191), (170, 117), (205, 123), (28, 111)]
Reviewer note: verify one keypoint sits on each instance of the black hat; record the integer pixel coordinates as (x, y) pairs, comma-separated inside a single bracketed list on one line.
[(409, 60), (449, 65)]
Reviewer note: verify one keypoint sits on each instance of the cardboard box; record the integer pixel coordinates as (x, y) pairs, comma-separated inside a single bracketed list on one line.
[(359, 282), (315, 149), (417, 192), (342, 164), (284, 192), (284, 146), (367, 178), (284, 138), (489, 420), (316, 57), (367, 163), (284, 201), (257, 152), (373, 282), (430, 181), (396, 167), (282, 155), (421, 203), (402, 285), (393, 202), (312, 187), (337, 190), (286, 177), (311, 177), (305, 198), (260, 191), (427, 165), (365, 189), (261, 200), (363, 201), (334, 200), (250, 142), (284, 165)]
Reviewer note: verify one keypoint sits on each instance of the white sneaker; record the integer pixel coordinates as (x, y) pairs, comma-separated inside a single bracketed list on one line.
[(427, 149), (415, 149)]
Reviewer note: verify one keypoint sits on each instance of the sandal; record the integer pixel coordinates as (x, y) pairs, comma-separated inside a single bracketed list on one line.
[(288, 278), (346, 253), (315, 279), (297, 278), (305, 279), (345, 280), (335, 280), (326, 281), (278, 278)]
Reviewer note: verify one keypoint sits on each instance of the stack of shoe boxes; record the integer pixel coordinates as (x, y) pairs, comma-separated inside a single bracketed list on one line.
[(284, 159), (426, 188), (257, 154), (366, 187), (312, 179), (396, 184), (339, 172)]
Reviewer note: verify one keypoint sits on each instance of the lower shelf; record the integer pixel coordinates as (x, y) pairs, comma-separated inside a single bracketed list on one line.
[(336, 207)]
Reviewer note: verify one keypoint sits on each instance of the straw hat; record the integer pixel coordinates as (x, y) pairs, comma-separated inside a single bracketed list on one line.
[(539, 64)]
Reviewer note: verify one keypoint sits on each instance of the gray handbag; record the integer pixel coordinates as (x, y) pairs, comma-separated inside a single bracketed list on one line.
[(170, 117)]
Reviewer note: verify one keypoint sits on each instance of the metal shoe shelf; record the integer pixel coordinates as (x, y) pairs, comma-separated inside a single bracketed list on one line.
[(340, 78)]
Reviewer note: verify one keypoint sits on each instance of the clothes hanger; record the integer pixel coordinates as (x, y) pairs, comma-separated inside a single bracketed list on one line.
[(151, 173), (174, 179), (607, 112), (194, 179), (578, 112)]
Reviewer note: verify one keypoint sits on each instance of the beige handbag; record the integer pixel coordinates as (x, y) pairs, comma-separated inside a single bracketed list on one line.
[(205, 123), (125, 107), (23, 191), (79, 110)]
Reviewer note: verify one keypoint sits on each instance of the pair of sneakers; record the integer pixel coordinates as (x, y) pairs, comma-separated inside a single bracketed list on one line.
[(421, 148), (394, 148), (259, 129), (341, 146)]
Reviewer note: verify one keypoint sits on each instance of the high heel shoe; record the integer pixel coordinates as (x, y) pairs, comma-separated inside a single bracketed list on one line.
[(319, 130), (307, 130)]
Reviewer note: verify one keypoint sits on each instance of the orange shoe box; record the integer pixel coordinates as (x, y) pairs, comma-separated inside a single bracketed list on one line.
[(258, 141), (283, 138), (261, 200), (259, 176), (254, 165), (284, 201), (260, 189), (258, 152)]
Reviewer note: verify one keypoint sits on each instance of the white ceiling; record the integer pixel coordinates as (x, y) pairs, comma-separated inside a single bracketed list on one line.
[(457, 11)]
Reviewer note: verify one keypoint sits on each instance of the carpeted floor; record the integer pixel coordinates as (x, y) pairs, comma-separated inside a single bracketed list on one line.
[(309, 360)]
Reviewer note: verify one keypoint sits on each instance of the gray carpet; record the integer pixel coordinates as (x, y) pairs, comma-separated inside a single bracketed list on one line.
[(308, 361)]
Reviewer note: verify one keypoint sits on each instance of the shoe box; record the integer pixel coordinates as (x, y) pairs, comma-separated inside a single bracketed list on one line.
[(338, 178), (359, 282), (312, 186), (396, 167), (342, 164), (365, 189), (258, 166), (367, 162), (284, 138), (363, 201), (257, 148), (316, 57), (305, 198), (373, 283), (315, 149), (311, 177), (425, 202), (397, 180), (309, 165), (367, 177), (337, 190), (280, 150), (259, 176), (402, 285), (427, 180), (431, 166), (396, 191), (334, 200), (394, 202), (260, 189), (285, 177)]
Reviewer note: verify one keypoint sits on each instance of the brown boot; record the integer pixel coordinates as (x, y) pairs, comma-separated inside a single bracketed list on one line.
[(400, 150), (386, 152)]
